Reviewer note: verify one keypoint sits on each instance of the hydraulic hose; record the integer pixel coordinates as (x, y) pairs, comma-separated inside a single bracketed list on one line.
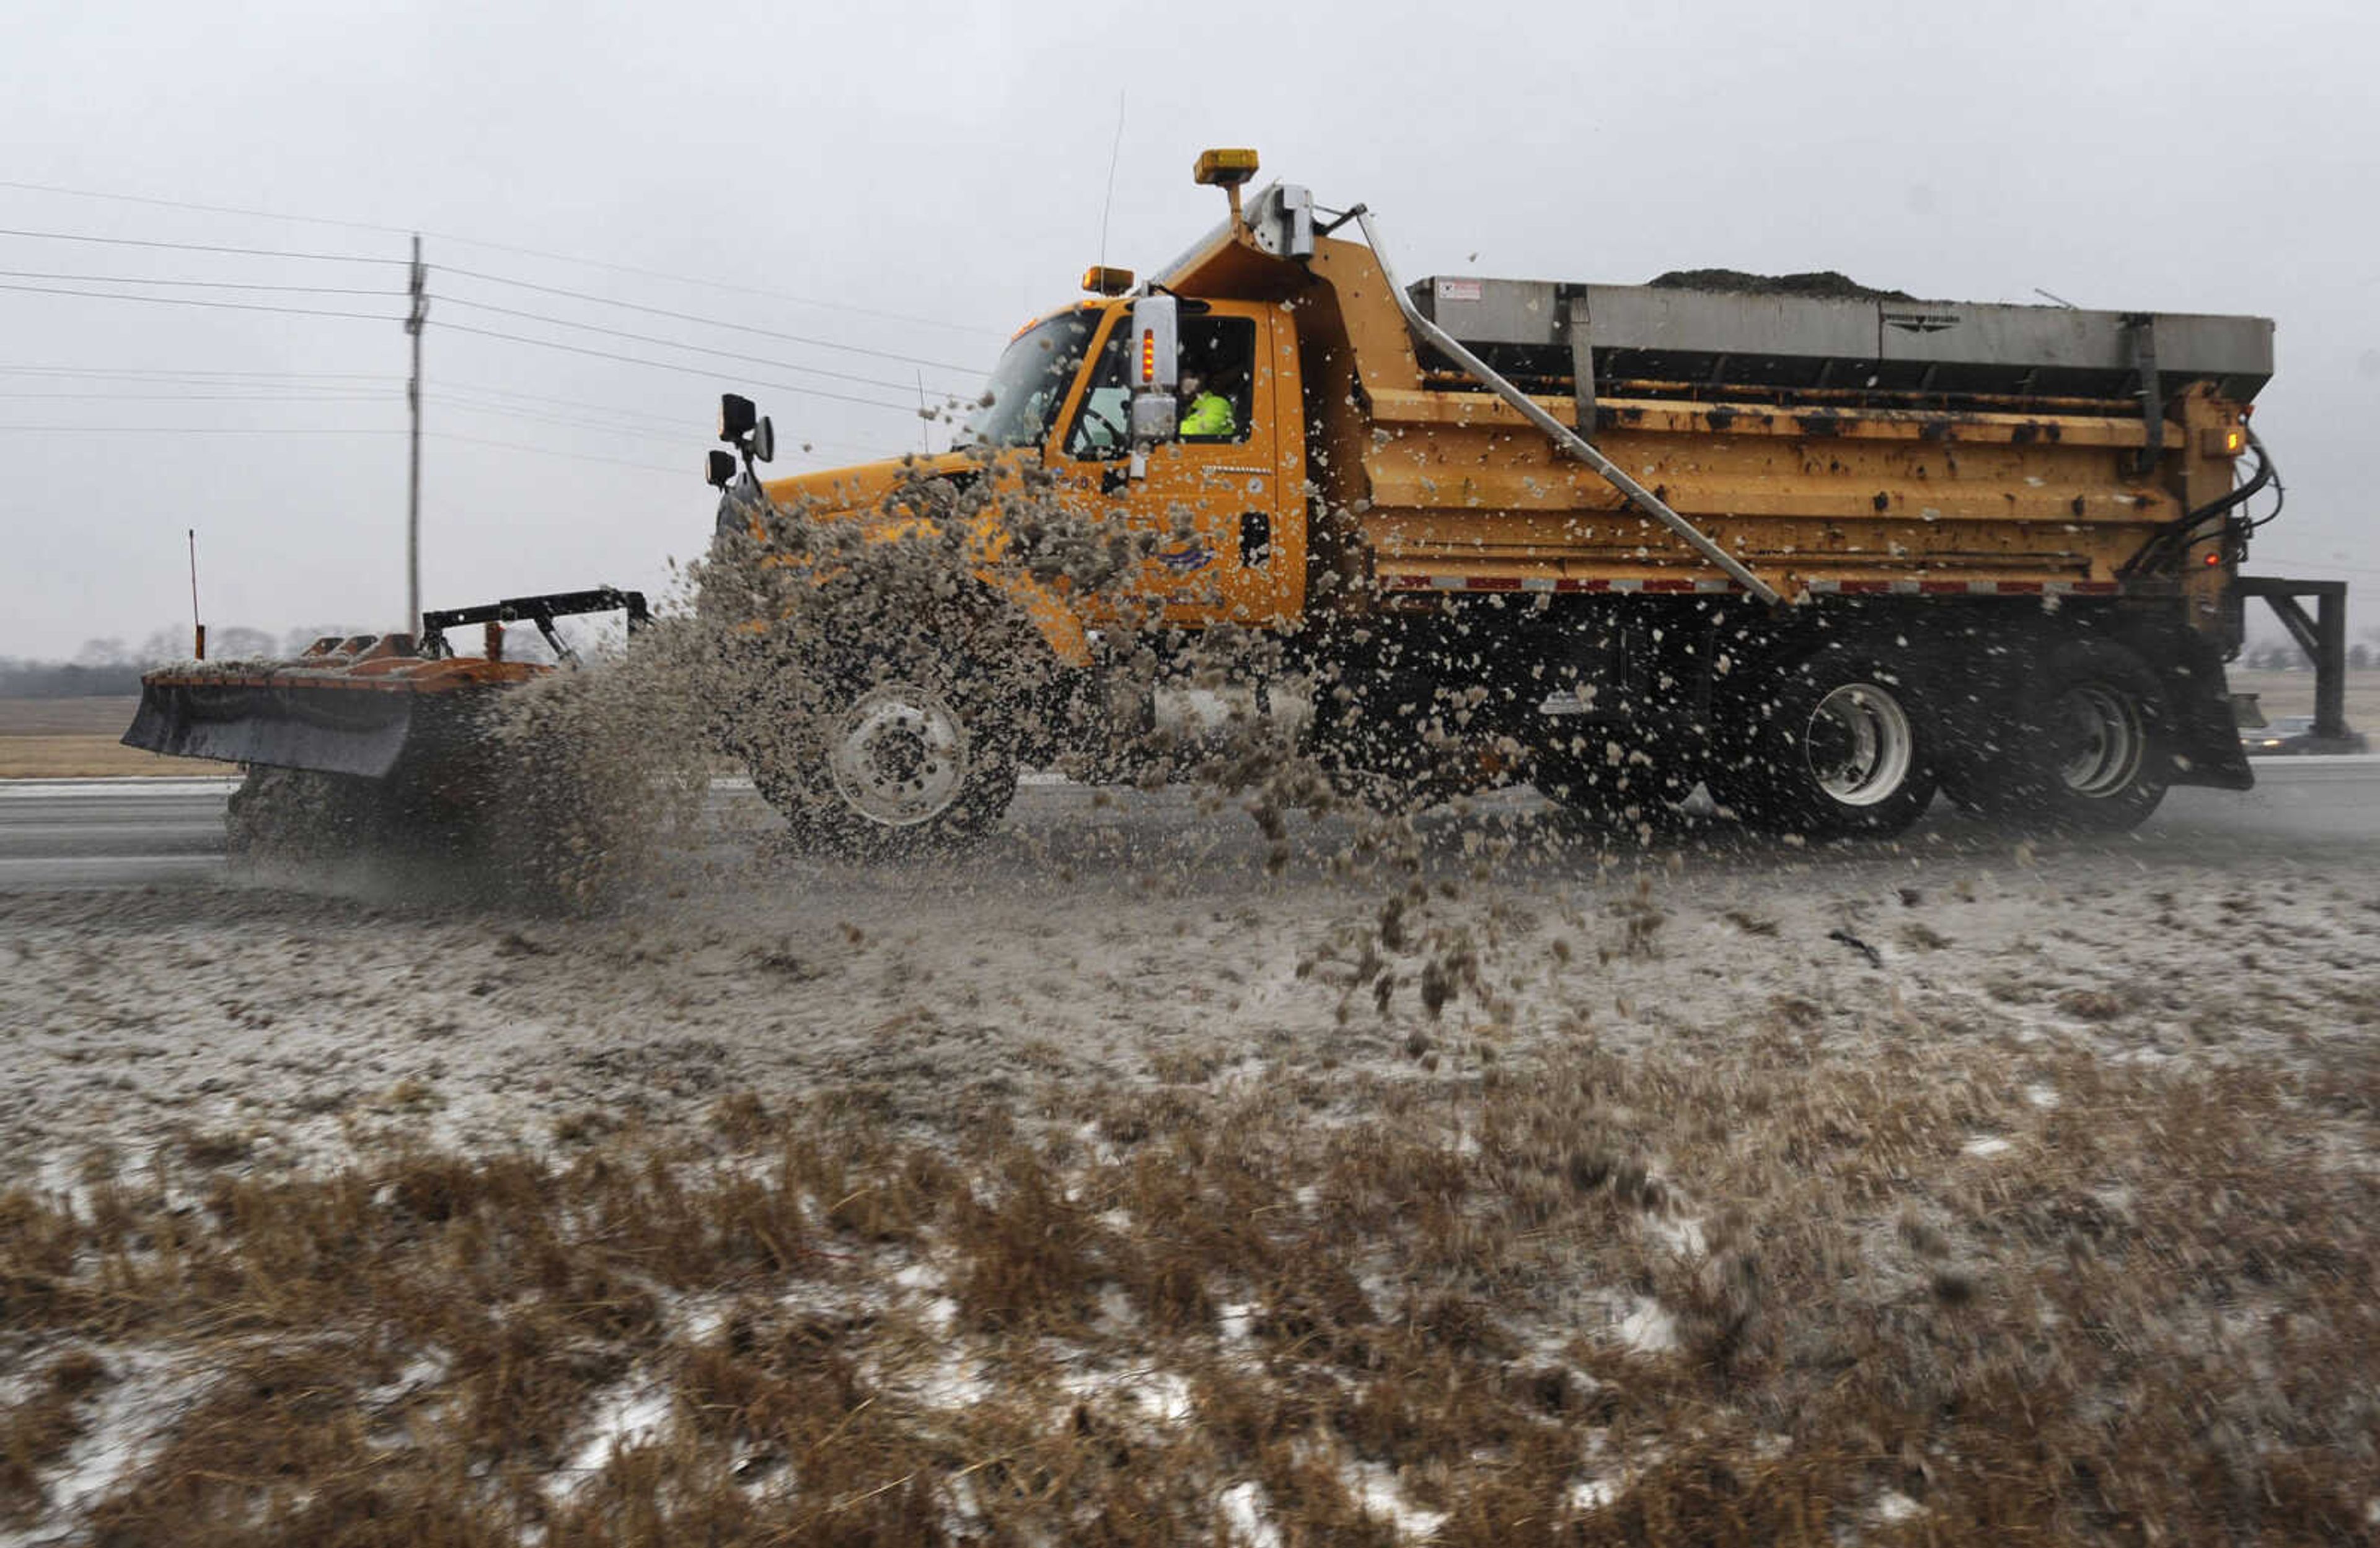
[(2179, 528)]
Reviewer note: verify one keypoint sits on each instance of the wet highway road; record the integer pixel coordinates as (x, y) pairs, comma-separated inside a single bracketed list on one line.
[(130, 833)]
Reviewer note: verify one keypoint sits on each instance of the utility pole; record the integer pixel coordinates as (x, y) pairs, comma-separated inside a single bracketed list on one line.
[(415, 315)]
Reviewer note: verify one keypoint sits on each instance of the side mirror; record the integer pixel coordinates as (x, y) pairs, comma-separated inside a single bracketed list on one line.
[(1155, 417), (722, 471), (1154, 367), (764, 440), (736, 417)]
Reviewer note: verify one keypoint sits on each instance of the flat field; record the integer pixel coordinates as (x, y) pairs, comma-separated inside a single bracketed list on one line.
[(74, 738), (2291, 693)]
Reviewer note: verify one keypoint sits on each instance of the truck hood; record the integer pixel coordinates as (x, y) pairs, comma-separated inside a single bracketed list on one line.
[(863, 487)]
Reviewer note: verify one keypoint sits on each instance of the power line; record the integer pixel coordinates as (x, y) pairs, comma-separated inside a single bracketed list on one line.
[(185, 205), (723, 286), (673, 343), (195, 247), (707, 322), (666, 366), (502, 247), (679, 425), (193, 301), (690, 421), (676, 427), (672, 432), (208, 285), (190, 429), (686, 471), (202, 397), (2318, 564), (679, 438), (138, 373)]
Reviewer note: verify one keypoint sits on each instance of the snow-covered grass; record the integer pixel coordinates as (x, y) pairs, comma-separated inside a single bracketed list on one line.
[(1117, 1186)]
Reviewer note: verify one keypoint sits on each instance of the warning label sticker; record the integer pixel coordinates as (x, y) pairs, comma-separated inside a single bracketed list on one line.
[(1458, 290)]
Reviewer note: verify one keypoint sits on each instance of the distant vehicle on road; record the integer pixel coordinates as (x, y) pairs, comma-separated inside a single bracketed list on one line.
[(2291, 734)]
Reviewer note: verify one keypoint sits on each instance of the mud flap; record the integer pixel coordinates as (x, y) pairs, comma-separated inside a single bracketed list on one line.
[(2206, 748)]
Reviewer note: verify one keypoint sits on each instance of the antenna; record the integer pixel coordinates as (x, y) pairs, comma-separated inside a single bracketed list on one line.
[(1114, 152), (197, 630), (925, 418), (2060, 299)]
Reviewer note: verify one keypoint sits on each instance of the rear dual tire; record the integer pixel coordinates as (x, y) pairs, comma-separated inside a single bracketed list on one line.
[(2086, 748), (1843, 746)]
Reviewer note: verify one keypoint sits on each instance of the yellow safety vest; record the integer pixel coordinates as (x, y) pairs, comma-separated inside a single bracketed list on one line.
[(1210, 415)]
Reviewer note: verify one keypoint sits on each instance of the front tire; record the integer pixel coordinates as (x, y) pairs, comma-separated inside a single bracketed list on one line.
[(909, 752)]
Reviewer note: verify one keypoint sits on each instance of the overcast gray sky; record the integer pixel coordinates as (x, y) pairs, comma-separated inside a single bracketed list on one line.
[(946, 165)]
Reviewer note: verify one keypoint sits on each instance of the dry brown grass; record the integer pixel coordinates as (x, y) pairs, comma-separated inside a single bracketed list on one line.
[(90, 758), (2149, 1317), (2291, 693), (78, 737)]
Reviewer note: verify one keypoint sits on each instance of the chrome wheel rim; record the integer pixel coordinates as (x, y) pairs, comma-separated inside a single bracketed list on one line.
[(2101, 740), (899, 756), (1860, 745)]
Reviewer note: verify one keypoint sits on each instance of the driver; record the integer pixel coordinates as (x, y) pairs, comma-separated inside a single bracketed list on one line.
[(1209, 414)]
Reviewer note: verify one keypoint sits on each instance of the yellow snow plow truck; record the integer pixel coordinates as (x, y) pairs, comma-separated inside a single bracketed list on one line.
[(1823, 550)]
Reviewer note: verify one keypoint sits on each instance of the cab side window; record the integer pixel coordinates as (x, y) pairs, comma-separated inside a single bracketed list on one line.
[(1218, 397), (1219, 357)]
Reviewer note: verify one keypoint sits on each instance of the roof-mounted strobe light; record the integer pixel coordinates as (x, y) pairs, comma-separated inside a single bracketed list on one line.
[(1101, 280), (1226, 169)]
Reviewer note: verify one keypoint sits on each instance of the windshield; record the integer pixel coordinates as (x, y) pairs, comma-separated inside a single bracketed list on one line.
[(1031, 380)]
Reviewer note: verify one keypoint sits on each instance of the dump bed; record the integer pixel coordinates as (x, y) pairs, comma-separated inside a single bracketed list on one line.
[(1747, 331), (1826, 437)]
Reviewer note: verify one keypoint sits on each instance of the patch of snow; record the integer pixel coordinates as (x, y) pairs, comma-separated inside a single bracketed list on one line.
[(1594, 1493), (2043, 1096), (1162, 1395), (1893, 1506), (1166, 1397), (627, 1416), (1232, 1319), (1682, 1236), (1647, 1329), (955, 1382), (122, 1431), (1374, 1485), (1985, 1144), (1248, 1513)]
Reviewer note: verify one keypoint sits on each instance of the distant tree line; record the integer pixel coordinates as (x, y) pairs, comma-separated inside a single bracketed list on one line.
[(111, 667), (2285, 655)]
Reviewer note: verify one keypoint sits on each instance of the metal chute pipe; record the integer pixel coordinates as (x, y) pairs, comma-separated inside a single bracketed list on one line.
[(1563, 435)]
